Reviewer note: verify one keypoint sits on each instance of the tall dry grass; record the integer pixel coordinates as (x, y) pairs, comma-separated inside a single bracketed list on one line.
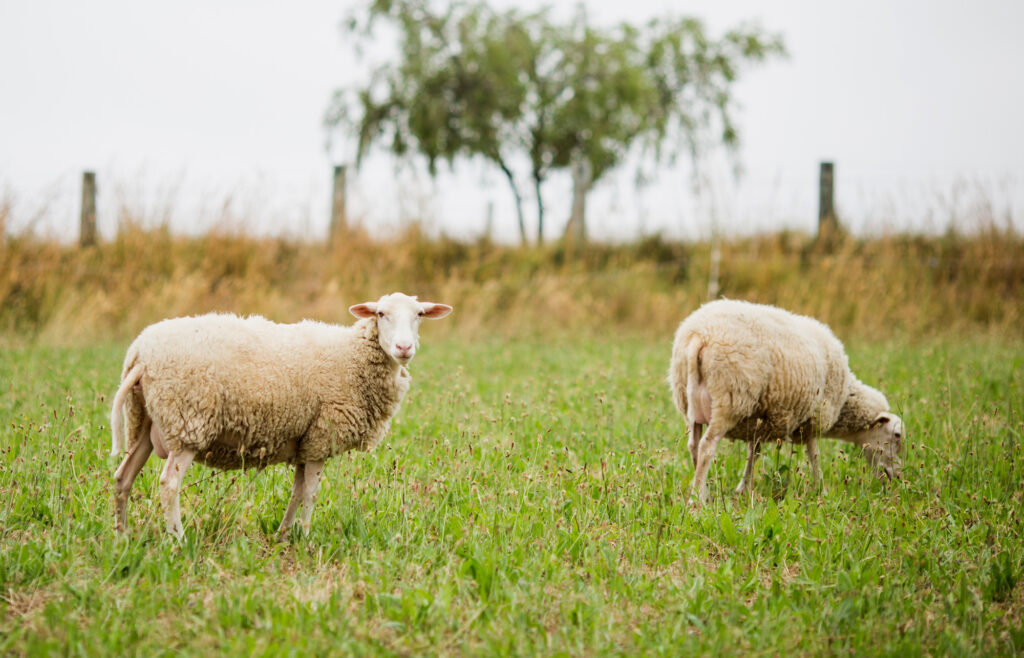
[(873, 288)]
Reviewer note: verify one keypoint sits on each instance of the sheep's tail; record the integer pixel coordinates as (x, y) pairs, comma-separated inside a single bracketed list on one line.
[(693, 351), (684, 372), (130, 379)]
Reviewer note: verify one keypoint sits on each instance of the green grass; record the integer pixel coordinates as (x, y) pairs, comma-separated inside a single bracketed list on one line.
[(531, 499)]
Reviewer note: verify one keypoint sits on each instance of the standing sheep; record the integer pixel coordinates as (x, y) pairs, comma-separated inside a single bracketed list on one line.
[(758, 373), (237, 393)]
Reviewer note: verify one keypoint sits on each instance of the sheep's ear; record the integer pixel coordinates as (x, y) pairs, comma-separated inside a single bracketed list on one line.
[(434, 311), (881, 420), (367, 310)]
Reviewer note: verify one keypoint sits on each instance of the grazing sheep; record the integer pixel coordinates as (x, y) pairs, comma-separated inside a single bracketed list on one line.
[(238, 393), (758, 373)]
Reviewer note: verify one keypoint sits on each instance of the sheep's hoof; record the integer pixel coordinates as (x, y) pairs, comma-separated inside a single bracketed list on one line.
[(696, 503), (285, 535)]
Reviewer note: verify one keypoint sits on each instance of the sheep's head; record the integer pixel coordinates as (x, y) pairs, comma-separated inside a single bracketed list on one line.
[(398, 322), (882, 444)]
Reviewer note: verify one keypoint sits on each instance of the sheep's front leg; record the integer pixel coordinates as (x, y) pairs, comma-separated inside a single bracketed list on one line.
[(753, 450), (170, 488), (310, 489), (696, 429), (293, 504), (705, 454), (124, 476), (812, 457)]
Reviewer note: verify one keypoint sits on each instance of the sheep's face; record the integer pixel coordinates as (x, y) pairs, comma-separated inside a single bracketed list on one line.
[(883, 443), (398, 322)]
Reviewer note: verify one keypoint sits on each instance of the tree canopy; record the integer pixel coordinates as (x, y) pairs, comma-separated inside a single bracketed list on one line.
[(521, 89)]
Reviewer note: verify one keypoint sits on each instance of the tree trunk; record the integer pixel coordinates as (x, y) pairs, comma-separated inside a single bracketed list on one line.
[(537, 180), (575, 229), (518, 198)]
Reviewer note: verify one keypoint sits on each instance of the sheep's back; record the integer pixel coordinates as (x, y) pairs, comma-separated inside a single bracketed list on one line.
[(776, 371)]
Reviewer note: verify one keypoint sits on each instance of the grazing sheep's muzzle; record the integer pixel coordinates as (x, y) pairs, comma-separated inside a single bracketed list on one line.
[(896, 469), (893, 472)]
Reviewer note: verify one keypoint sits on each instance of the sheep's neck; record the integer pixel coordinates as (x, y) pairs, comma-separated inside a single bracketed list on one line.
[(378, 357)]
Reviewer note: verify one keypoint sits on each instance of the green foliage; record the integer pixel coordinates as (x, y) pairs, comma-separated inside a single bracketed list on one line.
[(1002, 578), (475, 82), (531, 499)]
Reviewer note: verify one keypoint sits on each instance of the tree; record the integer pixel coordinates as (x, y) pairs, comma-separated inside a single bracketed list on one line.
[(516, 88), (456, 89)]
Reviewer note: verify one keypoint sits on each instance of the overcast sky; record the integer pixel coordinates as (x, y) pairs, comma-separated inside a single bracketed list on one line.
[(181, 106)]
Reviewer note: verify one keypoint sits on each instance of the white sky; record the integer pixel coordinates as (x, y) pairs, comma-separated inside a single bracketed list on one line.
[(205, 112)]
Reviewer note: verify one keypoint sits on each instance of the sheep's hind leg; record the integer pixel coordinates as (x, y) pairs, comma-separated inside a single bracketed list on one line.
[(705, 454), (696, 429), (812, 457), (293, 504), (310, 489), (124, 476), (753, 450), (170, 488)]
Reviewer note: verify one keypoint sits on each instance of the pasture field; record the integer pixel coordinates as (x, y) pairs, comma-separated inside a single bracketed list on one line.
[(530, 499)]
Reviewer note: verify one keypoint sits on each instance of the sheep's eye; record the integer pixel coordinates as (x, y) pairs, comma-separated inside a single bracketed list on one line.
[(380, 314), (421, 314)]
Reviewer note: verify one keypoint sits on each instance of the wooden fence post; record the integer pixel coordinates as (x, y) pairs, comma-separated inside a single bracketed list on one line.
[(489, 224), (827, 222), (5, 210), (339, 221), (87, 228), (714, 265)]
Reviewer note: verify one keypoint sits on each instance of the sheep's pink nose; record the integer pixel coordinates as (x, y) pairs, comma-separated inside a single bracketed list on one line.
[(404, 349)]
